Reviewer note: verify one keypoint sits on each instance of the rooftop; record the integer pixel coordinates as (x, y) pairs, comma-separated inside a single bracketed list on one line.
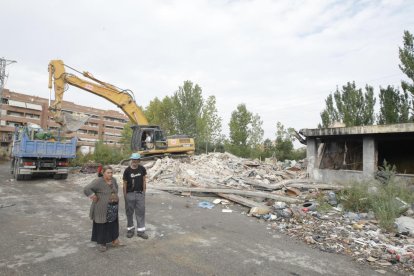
[(358, 130)]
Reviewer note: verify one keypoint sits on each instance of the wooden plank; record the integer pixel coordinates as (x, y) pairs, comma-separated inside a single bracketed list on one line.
[(231, 191), (241, 200), (257, 184), (316, 186)]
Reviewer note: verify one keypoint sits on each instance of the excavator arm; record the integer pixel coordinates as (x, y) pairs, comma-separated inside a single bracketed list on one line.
[(58, 79)]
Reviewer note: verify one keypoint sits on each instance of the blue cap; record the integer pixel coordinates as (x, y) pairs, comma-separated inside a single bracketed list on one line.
[(135, 156)]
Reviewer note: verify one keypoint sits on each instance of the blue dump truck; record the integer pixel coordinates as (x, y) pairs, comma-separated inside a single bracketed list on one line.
[(34, 154)]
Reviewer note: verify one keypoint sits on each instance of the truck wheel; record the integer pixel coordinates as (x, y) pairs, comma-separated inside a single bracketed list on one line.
[(56, 176), (17, 176), (12, 167), (64, 176)]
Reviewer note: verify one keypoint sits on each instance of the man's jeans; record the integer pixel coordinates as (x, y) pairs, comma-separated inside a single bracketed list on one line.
[(135, 201)]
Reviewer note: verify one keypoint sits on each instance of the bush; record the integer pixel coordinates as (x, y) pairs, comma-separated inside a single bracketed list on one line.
[(381, 199), (356, 197), (103, 154)]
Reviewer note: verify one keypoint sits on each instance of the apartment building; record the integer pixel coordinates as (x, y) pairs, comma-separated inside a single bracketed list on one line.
[(19, 109)]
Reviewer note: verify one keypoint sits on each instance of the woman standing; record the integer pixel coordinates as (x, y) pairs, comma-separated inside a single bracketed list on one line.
[(104, 209)]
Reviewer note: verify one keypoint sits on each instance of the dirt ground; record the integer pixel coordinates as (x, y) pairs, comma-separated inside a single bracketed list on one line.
[(45, 230)]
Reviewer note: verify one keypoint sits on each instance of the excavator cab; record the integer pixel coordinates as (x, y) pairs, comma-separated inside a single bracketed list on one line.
[(140, 143)]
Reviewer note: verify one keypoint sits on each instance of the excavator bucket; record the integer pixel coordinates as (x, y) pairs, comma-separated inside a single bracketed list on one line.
[(72, 123)]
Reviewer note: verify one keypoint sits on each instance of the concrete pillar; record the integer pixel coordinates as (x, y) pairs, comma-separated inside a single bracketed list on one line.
[(311, 155), (369, 156)]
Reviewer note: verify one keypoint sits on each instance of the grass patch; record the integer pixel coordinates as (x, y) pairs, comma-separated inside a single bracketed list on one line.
[(378, 196), (323, 205)]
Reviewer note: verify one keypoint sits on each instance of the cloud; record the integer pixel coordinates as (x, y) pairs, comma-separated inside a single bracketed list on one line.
[(280, 58)]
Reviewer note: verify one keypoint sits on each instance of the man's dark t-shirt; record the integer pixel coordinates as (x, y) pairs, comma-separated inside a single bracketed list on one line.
[(134, 178)]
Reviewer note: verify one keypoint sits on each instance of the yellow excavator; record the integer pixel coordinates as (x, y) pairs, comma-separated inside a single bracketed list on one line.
[(157, 145)]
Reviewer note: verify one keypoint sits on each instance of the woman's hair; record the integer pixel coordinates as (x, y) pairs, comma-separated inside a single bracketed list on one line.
[(106, 167)]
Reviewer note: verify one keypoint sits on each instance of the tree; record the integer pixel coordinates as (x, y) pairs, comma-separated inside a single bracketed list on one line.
[(352, 107), (406, 55), (256, 133), (394, 107), (126, 136), (161, 113), (187, 107), (239, 131), (210, 124), (268, 148), (283, 144), (330, 114)]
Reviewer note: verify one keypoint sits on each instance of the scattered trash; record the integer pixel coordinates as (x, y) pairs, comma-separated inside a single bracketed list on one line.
[(291, 191), (279, 205), (206, 204), (332, 198), (260, 210), (217, 201), (352, 216), (226, 211), (310, 206), (284, 213)]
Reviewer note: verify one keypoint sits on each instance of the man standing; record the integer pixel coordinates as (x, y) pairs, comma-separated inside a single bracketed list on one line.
[(134, 193)]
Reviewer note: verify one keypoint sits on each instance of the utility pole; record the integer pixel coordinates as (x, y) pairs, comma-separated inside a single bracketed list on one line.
[(3, 63)]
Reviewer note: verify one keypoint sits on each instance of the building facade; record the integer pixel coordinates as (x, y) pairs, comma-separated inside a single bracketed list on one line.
[(17, 109), (345, 154)]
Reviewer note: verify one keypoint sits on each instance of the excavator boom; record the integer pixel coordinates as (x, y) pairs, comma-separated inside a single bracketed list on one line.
[(159, 145), (58, 78)]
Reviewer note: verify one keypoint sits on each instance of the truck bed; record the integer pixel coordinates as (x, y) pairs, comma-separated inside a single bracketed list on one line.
[(44, 149)]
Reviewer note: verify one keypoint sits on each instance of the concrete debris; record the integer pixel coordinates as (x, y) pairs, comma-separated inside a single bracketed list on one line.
[(266, 188), (405, 225)]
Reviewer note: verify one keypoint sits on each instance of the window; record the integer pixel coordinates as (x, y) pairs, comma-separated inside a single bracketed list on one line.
[(340, 154), (13, 113)]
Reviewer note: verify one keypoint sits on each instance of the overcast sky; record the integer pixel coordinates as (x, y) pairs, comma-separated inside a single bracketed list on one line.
[(280, 58)]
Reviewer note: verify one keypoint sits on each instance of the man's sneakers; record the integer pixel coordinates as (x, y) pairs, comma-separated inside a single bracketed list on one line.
[(130, 233), (142, 235)]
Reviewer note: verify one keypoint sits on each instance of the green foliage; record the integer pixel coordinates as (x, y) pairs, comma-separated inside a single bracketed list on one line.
[(298, 154), (126, 136), (283, 144), (382, 202), (103, 154), (81, 159), (350, 106), (106, 154), (209, 127), (323, 205), (355, 198), (161, 113), (187, 108), (239, 131), (330, 114), (394, 107), (406, 55)]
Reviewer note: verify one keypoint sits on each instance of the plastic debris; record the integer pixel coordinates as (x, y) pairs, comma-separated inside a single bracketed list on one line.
[(206, 204)]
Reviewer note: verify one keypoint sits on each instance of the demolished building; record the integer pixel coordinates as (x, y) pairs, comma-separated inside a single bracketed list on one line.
[(342, 154)]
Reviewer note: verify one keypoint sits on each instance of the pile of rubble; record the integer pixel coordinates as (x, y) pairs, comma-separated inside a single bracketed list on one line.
[(281, 194)]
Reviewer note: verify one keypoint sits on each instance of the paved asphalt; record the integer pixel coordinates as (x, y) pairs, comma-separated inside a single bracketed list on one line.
[(45, 230)]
